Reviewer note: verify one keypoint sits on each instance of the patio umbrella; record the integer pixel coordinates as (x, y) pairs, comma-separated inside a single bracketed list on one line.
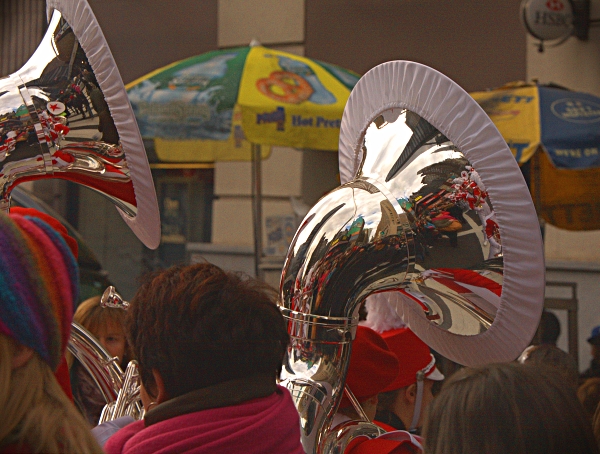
[(554, 134), (223, 105), (210, 107)]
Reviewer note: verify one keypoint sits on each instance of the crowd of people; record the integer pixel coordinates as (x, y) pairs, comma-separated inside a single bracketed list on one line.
[(210, 345)]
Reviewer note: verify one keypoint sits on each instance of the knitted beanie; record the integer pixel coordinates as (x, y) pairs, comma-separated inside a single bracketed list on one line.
[(38, 286)]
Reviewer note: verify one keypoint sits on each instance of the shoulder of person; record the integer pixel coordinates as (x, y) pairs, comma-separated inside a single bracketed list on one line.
[(394, 442)]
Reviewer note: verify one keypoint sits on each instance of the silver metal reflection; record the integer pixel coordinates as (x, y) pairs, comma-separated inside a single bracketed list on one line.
[(111, 298), (121, 390), (416, 219), (128, 401), (55, 123)]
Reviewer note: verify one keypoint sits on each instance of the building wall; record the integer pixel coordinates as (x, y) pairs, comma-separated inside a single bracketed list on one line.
[(477, 44), (146, 35), (22, 25)]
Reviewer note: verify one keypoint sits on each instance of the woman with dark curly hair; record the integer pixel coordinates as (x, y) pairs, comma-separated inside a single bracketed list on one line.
[(210, 346)]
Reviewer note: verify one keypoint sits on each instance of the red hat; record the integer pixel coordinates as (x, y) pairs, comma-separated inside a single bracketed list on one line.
[(372, 365), (413, 355), (52, 222)]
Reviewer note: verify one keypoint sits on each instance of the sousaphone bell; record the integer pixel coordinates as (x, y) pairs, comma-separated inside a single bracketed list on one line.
[(433, 219), (65, 114)]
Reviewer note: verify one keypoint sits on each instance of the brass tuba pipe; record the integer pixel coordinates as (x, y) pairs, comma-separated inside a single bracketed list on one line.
[(433, 211)]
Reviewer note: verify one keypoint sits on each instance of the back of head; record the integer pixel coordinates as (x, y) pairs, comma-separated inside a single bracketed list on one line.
[(588, 394), (507, 408), (549, 328), (39, 282), (555, 358), (199, 326), (594, 338)]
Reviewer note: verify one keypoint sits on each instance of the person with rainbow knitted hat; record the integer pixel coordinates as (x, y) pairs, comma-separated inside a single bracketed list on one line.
[(39, 280)]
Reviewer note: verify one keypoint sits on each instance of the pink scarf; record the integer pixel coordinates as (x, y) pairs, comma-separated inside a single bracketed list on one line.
[(261, 426)]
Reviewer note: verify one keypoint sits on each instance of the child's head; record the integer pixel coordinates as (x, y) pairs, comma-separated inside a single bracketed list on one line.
[(107, 324)]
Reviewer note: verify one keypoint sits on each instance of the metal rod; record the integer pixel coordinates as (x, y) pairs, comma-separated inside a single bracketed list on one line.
[(257, 208), (356, 404)]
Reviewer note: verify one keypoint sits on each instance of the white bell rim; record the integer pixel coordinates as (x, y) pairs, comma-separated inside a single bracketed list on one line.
[(78, 13), (444, 104)]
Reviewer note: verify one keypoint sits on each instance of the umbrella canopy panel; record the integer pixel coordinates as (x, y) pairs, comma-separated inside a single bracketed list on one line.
[(556, 133), (210, 107), (565, 123)]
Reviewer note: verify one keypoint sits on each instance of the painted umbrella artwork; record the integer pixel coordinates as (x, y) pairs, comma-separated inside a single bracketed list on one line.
[(210, 107), (234, 104)]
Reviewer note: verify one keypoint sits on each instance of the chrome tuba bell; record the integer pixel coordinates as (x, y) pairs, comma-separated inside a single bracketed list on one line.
[(65, 114), (434, 216)]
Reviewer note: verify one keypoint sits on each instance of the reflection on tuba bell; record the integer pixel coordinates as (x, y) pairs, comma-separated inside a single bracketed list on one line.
[(434, 216), (65, 114)]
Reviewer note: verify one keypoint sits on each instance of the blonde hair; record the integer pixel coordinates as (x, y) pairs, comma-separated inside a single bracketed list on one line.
[(35, 411), (93, 317), (510, 407)]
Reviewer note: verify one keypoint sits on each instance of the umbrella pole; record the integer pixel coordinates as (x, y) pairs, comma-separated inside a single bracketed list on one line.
[(257, 209)]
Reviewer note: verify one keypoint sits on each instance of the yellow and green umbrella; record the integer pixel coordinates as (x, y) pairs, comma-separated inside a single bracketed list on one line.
[(222, 105), (211, 107)]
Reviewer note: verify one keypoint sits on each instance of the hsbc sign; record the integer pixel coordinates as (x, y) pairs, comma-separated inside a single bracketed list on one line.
[(547, 19)]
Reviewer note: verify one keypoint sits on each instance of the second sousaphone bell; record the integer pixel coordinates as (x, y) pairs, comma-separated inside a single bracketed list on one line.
[(65, 114), (433, 216)]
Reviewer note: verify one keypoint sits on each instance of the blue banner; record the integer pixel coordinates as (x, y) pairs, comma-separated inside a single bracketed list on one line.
[(570, 127)]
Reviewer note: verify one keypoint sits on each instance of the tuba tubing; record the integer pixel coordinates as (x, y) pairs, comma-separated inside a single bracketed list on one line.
[(368, 236), (103, 368)]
